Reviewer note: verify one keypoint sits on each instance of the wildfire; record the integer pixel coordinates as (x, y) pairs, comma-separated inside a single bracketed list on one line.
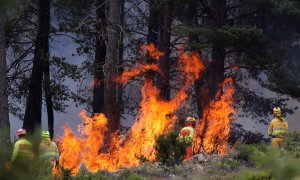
[(152, 50), (156, 117), (137, 70), (213, 129)]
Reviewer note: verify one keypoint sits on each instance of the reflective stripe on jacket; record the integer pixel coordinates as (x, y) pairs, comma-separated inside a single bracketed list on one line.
[(48, 150), (22, 150), (278, 127), (186, 134)]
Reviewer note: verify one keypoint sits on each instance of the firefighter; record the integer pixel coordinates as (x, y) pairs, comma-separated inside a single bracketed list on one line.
[(22, 156), (186, 135), (277, 128), (48, 150)]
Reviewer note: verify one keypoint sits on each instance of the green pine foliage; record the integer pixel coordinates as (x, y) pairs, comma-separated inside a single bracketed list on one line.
[(237, 35), (285, 83), (169, 151)]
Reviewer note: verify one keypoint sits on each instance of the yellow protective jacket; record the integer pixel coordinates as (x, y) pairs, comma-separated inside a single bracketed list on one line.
[(278, 127), (22, 151), (48, 150), (186, 134)]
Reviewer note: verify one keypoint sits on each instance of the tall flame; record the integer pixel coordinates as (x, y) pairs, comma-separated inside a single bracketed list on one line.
[(156, 117), (213, 129)]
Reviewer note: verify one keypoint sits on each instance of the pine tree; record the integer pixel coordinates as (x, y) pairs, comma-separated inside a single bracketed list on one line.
[(4, 113), (33, 112), (113, 44)]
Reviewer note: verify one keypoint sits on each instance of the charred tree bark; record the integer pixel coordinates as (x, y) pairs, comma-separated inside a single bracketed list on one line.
[(121, 69), (4, 112), (47, 83), (193, 39), (100, 52), (153, 23), (214, 74), (153, 35), (33, 112), (163, 79), (48, 95), (113, 43)]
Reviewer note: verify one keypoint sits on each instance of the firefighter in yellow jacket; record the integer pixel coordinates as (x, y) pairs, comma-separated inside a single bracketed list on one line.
[(22, 155), (277, 128), (187, 135), (48, 151)]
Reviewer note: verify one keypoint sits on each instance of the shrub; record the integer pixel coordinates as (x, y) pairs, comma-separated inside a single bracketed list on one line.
[(291, 145), (101, 175), (129, 175), (253, 175), (228, 164), (245, 151), (169, 151), (142, 158), (271, 161)]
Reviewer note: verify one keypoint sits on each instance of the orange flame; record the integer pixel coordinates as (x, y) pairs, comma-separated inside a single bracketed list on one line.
[(75, 149), (152, 50), (154, 120), (213, 129), (137, 70), (142, 68)]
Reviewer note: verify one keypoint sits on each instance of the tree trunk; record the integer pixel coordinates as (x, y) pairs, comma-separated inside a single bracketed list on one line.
[(214, 74), (153, 23), (121, 69), (216, 71), (48, 96), (47, 88), (164, 45), (100, 51), (113, 43), (33, 112), (192, 9), (153, 35), (4, 113)]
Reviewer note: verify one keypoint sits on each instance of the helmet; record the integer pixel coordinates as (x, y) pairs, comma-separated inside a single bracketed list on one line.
[(21, 132), (190, 119), (277, 111), (45, 134)]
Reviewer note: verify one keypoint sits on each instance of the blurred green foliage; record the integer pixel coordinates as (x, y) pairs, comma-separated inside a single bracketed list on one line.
[(253, 175), (273, 163), (292, 145), (228, 164), (129, 175), (246, 151)]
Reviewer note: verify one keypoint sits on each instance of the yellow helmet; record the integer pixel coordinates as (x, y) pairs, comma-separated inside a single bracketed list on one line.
[(45, 134), (277, 111)]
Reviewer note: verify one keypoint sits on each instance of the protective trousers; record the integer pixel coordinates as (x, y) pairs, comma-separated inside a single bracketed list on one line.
[(277, 142), (189, 152)]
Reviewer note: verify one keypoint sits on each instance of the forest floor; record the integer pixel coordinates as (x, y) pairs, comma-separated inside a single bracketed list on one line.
[(201, 166), (253, 162)]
